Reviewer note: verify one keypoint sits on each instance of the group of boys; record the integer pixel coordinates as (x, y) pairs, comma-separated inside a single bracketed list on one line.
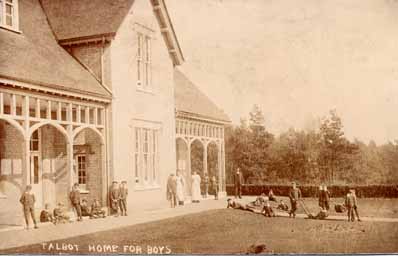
[(59, 214), (294, 195), (118, 198)]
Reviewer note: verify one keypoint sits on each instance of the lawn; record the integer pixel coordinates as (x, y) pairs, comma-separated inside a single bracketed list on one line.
[(368, 207), (233, 231)]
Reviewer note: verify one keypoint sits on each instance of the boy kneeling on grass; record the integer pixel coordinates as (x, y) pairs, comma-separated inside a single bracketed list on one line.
[(85, 209), (267, 210), (46, 215), (282, 206), (96, 210), (60, 216)]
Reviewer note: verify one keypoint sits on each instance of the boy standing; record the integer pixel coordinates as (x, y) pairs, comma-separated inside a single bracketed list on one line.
[(206, 185), (114, 197), (28, 202), (123, 198), (172, 190), (75, 200)]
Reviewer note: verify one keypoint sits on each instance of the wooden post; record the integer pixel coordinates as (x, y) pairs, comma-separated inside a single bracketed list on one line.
[(95, 116), (37, 108), (13, 105), (78, 114), (87, 115), (220, 177), (59, 111), (49, 109), (1, 103), (26, 171), (223, 165), (205, 144), (69, 147)]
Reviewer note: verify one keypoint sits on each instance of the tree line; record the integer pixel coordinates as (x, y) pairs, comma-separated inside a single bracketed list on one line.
[(322, 155)]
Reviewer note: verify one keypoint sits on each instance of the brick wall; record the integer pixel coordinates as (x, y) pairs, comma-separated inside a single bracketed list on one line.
[(93, 164), (11, 155)]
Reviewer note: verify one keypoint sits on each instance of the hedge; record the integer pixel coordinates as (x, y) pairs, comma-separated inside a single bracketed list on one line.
[(369, 191)]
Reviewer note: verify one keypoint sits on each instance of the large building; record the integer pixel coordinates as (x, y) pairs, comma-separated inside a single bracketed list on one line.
[(90, 93)]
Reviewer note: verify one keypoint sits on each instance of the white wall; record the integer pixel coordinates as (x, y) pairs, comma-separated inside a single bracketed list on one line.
[(131, 106)]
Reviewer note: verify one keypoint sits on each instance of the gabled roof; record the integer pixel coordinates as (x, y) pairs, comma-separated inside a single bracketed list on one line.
[(74, 20), (35, 57), (189, 100)]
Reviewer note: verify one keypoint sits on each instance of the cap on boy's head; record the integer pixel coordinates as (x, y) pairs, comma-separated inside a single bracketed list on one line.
[(28, 187), (124, 182), (114, 182)]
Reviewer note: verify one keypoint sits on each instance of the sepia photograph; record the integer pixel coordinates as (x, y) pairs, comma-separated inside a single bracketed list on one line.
[(198, 127)]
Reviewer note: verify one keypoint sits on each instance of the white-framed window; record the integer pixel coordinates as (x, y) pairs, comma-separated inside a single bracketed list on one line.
[(81, 164), (9, 14), (34, 148), (34, 141), (144, 60), (137, 149), (146, 155)]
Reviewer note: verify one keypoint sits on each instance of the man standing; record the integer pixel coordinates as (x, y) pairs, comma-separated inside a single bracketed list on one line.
[(214, 187), (326, 197), (238, 181), (74, 197), (349, 203), (294, 196), (28, 202), (321, 199), (123, 198), (172, 190), (114, 197), (206, 185)]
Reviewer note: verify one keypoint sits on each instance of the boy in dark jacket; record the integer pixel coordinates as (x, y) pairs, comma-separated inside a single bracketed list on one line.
[(46, 215), (74, 197), (28, 202), (123, 192), (114, 197)]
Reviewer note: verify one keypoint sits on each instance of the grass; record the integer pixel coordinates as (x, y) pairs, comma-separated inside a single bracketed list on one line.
[(368, 207), (233, 231)]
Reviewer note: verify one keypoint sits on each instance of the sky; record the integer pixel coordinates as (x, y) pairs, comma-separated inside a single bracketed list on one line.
[(296, 59)]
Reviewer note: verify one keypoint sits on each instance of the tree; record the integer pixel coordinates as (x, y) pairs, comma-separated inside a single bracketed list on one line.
[(335, 150)]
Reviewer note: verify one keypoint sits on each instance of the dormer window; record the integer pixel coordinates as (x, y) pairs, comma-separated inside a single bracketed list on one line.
[(9, 14)]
